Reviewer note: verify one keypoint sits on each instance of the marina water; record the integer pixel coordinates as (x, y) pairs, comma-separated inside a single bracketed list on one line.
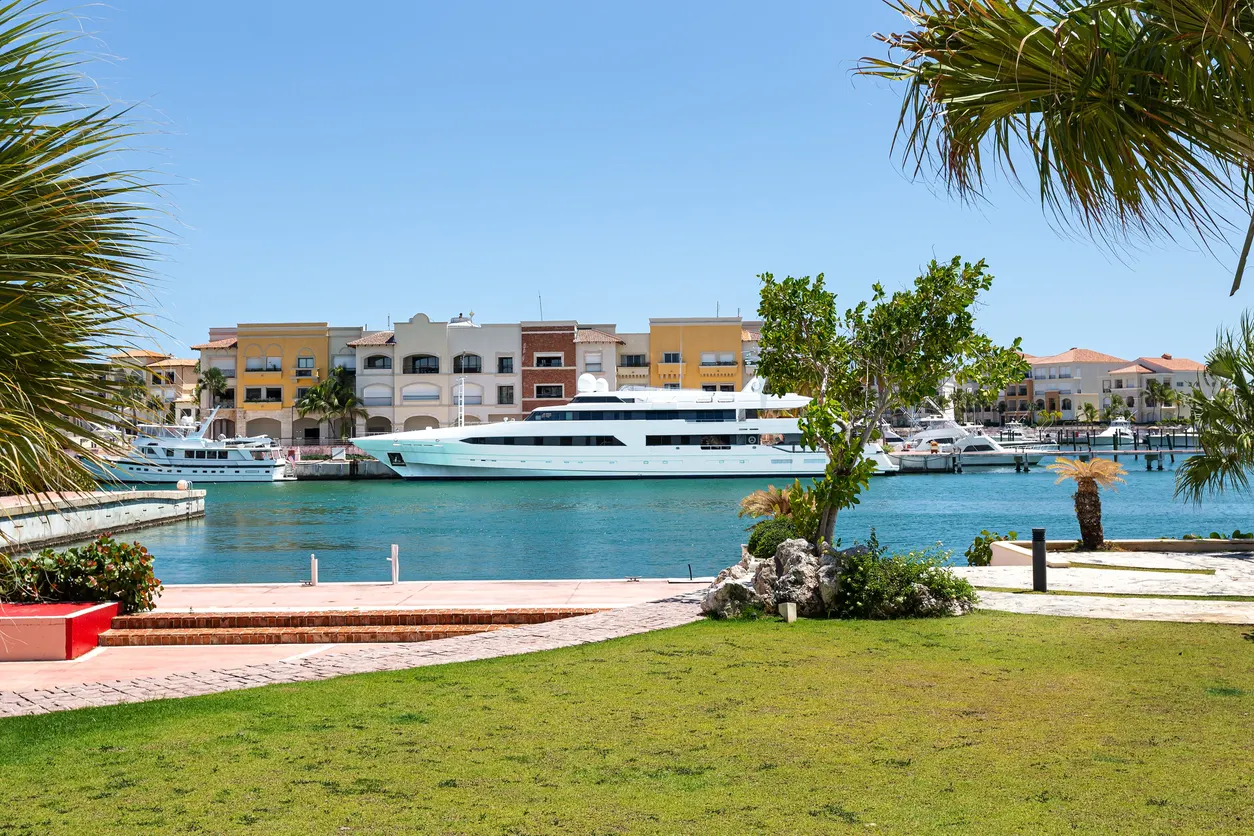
[(614, 529)]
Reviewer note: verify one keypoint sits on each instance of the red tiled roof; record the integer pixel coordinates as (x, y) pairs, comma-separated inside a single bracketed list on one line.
[(592, 335), (1135, 368), (377, 338), (229, 342), (747, 336), (1175, 364), (139, 354), (1075, 355), (173, 361)]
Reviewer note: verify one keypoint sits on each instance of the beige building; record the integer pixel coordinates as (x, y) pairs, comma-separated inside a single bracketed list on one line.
[(633, 360), (168, 380)]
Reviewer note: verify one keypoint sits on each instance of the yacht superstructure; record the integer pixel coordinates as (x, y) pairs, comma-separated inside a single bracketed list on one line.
[(173, 452), (630, 433)]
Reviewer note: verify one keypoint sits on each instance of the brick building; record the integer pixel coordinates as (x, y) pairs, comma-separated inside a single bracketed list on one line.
[(549, 372)]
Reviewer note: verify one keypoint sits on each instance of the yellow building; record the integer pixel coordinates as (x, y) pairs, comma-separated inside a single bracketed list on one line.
[(696, 353), (275, 363)]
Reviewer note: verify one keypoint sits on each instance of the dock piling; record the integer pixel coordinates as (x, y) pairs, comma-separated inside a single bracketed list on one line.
[(395, 560), (313, 570)]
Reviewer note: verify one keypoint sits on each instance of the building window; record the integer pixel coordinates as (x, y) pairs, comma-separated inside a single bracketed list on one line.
[(252, 394), (708, 387), (467, 364), (550, 391), (252, 364), (717, 358), (1040, 403), (505, 365), (1023, 390), (633, 361), (726, 387), (274, 364), (301, 393), (505, 394), (304, 362), (378, 361), (670, 385), (548, 361), (1066, 404), (169, 377), (311, 434), (1131, 402), (421, 364), (592, 361), (671, 357), (274, 393)]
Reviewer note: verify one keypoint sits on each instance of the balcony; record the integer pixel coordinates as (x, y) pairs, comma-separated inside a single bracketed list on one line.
[(306, 374), (719, 363)]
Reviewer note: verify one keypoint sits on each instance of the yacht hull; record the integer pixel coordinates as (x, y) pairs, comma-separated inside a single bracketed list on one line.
[(143, 472)]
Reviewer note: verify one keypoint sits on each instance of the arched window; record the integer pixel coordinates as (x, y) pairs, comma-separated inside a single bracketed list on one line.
[(378, 361), (1040, 403), (467, 364), (420, 392), (1066, 404), (473, 393), (377, 394), (421, 364)]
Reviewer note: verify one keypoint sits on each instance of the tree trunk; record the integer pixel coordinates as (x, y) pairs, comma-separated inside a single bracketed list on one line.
[(827, 529), (1088, 511)]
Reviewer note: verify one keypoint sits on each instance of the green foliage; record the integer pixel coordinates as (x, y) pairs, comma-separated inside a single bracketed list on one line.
[(768, 534), (877, 585), (856, 366), (103, 570), (1224, 421), (980, 552), (76, 239), (334, 400), (1134, 115)]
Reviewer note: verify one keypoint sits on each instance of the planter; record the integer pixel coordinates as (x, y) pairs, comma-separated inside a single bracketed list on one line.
[(1060, 553), (51, 632)]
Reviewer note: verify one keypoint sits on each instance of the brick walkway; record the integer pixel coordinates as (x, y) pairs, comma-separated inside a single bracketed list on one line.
[(339, 661)]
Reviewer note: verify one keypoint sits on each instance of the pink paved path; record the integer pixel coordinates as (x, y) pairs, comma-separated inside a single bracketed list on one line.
[(109, 675)]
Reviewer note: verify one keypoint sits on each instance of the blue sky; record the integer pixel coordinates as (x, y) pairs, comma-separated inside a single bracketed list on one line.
[(357, 162)]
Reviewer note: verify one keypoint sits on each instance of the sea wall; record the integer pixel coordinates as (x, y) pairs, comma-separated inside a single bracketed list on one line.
[(343, 470), (36, 521)]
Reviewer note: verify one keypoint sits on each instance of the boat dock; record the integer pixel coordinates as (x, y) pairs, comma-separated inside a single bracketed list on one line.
[(923, 461), (35, 521)]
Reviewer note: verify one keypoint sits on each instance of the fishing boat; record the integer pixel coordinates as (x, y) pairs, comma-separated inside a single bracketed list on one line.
[(176, 452), (629, 433)]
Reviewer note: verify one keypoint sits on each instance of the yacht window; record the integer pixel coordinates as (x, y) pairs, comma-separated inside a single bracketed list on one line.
[(169, 454), (188, 454), (200, 454), (548, 441)]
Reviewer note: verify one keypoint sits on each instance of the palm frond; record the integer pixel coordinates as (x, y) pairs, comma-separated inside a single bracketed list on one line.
[(75, 242), (1137, 116), (1097, 471), (771, 502)]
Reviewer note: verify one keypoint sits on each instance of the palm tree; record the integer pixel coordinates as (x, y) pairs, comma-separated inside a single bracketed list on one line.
[(76, 241), (1089, 476), (1134, 115), (771, 502), (1090, 413), (213, 381), (333, 400), (1224, 421)]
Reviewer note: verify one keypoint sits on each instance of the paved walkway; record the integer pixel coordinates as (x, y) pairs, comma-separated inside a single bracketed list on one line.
[(420, 594), (1138, 609), (337, 660)]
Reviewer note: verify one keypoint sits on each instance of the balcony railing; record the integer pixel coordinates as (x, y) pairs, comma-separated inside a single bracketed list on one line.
[(305, 372), (719, 363)]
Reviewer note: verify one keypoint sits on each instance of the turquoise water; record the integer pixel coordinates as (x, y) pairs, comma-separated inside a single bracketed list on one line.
[(611, 529)]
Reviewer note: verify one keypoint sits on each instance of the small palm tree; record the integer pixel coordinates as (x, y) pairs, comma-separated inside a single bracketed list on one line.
[(1089, 412), (771, 502), (213, 381), (1088, 477)]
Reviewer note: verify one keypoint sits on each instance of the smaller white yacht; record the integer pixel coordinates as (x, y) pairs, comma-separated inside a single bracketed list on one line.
[(173, 452), (977, 449), (1119, 434)]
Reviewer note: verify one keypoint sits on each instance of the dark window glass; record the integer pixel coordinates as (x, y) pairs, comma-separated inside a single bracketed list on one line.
[(505, 394), (467, 364), (549, 362), (505, 365)]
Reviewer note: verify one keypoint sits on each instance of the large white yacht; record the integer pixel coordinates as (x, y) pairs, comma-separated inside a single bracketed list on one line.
[(630, 433), (174, 452)]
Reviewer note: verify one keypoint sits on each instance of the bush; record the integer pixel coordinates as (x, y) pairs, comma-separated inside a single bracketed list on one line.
[(766, 536), (103, 570), (875, 584), (980, 552)]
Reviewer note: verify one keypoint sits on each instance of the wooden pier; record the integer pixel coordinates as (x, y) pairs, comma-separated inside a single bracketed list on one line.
[(923, 461)]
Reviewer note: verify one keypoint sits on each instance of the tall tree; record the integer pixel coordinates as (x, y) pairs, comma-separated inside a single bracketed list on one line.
[(213, 381), (76, 240), (893, 352), (1135, 116)]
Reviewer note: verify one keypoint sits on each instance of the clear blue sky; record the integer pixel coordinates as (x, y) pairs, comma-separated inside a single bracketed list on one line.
[(351, 162)]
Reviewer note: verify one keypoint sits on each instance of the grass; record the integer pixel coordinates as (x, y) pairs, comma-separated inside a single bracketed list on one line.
[(1078, 565), (1148, 595), (989, 723)]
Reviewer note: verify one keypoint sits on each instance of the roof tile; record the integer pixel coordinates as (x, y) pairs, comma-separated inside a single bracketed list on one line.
[(229, 342), (377, 338), (592, 335)]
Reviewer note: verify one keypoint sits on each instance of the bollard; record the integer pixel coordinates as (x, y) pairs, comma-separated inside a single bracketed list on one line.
[(789, 611), (395, 560), (313, 570), (1038, 560)]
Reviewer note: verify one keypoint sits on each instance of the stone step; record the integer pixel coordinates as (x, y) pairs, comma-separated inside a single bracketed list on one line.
[(350, 634), (345, 618)]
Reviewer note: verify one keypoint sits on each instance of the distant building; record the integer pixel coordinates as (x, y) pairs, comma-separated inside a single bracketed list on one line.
[(633, 360), (168, 380), (697, 353)]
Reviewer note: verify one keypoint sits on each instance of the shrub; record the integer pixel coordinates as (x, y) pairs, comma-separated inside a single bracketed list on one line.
[(980, 552), (103, 570), (875, 584), (766, 536)]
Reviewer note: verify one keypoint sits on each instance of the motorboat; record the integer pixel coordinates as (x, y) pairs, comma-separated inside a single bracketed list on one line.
[(175, 452), (628, 433), (942, 435), (1118, 434)]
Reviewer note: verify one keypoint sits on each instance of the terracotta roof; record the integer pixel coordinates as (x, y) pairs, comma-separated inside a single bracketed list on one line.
[(1075, 355), (1135, 368), (139, 354), (747, 336), (1175, 364), (173, 361), (377, 338), (592, 335), (229, 342)]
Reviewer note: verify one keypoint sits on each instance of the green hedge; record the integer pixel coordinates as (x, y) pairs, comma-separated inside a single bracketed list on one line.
[(103, 570)]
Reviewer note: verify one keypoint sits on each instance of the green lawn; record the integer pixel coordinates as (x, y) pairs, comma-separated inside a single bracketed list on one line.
[(990, 723)]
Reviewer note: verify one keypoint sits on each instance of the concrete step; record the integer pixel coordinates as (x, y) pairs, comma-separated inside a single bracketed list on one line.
[(344, 618), (146, 637)]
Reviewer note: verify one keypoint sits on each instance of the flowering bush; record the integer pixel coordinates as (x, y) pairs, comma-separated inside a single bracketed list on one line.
[(875, 584), (103, 570)]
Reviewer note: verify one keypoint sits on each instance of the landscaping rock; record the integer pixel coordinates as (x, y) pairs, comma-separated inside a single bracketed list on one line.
[(746, 568), (930, 605), (797, 567), (764, 584), (831, 564), (730, 598)]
